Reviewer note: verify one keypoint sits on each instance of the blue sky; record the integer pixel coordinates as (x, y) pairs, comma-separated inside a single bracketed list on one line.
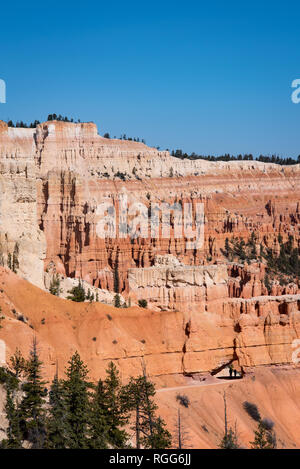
[(210, 77)]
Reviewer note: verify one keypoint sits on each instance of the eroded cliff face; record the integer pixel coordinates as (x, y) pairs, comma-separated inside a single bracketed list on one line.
[(174, 287), (204, 311), (22, 243), (78, 170), (245, 332)]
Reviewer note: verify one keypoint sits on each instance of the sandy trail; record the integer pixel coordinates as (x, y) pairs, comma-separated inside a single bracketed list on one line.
[(199, 385)]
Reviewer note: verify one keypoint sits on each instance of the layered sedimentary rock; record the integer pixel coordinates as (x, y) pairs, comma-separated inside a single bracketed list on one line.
[(71, 171), (22, 243), (79, 171), (246, 332), (178, 287), (55, 180), (169, 286), (248, 280), (204, 310)]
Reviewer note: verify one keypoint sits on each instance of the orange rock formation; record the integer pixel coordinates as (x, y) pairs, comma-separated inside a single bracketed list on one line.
[(204, 312)]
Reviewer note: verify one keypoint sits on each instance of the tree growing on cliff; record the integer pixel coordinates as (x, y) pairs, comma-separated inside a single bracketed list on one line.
[(74, 417), (143, 303), (58, 430), (117, 301), (77, 293), (76, 390), (230, 438), (9, 261), (12, 414), (114, 408), (268, 283), (264, 435), (32, 406), (251, 246), (54, 288), (15, 259), (99, 425), (18, 364), (227, 248), (150, 431)]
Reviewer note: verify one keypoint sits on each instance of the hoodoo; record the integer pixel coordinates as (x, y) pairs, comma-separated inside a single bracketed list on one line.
[(202, 309)]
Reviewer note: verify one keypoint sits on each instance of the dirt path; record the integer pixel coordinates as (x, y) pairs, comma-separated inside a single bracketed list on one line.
[(200, 385)]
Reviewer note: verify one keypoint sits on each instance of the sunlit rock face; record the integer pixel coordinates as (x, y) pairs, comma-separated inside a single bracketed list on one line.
[(204, 311), (21, 241), (247, 332), (55, 177)]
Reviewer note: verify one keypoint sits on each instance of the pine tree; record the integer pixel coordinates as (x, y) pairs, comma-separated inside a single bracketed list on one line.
[(115, 409), (54, 288), (33, 401), (161, 437), (57, 423), (264, 438), (252, 246), (143, 303), (13, 416), (268, 284), (117, 301), (9, 261), (18, 363), (99, 428), (15, 259), (77, 293), (229, 440), (149, 429), (76, 388), (227, 247)]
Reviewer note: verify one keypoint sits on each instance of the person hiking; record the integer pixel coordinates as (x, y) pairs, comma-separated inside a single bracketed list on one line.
[(230, 371), (234, 371)]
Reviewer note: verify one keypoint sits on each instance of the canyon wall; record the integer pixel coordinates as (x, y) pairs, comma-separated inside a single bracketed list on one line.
[(204, 310), (21, 241), (246, 332), (78, 170), (180, 287), (55, 177)]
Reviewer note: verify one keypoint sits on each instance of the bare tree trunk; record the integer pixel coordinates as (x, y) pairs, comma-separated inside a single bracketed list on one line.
[(179, 430), (225, 414), (137, 427), (147, 400)]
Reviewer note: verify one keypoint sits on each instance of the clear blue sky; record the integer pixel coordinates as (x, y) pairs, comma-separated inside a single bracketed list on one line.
[(209, 77)]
